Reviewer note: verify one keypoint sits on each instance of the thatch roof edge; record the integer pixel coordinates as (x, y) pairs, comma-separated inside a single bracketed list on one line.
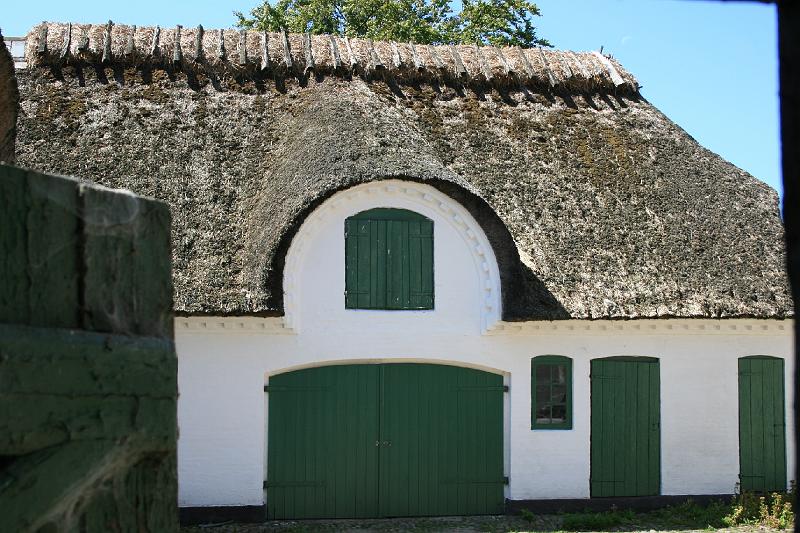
[(252, 54)]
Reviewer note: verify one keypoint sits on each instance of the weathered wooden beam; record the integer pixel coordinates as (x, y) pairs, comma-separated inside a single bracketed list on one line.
[(106, 58), (485, 70), (40, 265), (69, 485), (616, 79), (351, 56), (177, 52), (222, 53), (46, 482), (526, 64), (198, 43), (83, 43), (507, 70), (308, 53), (89, 363), (549, 72), (461, 70), (287, 51), (584, 73), (154, 46), (337, 60), (397, 61), (265, 62), (242, 48), (419, 64), (83, 411), (435, 56), (67, 42), (375, 62), (130, 46), (42, 48)]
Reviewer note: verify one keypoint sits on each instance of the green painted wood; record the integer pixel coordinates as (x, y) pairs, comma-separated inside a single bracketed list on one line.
[(15, 287), (88, 373), (625, 427), (78, 256), (551, 392), (438, 431), (388, 260), (762, 430), (322, 427)]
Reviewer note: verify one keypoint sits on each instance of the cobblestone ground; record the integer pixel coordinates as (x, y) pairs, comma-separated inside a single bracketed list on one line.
[(446, 524)]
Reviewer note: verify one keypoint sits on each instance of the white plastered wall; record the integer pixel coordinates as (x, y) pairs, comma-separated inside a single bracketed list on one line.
[(224, 363)]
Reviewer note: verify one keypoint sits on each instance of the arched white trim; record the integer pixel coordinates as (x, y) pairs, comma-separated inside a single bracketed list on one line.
[(388, 361), (417, 197)]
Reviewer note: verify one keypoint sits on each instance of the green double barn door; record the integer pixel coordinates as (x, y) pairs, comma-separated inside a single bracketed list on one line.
[(384, 440), (625, 427), (762, 427)]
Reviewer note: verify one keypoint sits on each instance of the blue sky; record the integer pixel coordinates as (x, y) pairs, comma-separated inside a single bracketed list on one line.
[(712, 67)]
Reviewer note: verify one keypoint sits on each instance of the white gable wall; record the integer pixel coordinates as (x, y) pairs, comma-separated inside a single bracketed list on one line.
[(224, 363)]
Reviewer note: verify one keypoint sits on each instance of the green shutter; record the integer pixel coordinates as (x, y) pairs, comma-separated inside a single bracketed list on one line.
[(388, 260), (625, 427), (762, 430)]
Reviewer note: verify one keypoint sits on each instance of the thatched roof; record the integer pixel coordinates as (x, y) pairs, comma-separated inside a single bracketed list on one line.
[(9, 97), (596, 204)]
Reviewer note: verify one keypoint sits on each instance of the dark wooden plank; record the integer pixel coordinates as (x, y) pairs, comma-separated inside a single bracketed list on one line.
[(109, 221), (121, 487), (54, 242), (62, 362), (15, 288), (45, 479), (31, 422), (152, 271)]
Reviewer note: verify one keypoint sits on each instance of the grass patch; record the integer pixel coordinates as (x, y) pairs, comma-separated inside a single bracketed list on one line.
[(773, 511), (597, 521)]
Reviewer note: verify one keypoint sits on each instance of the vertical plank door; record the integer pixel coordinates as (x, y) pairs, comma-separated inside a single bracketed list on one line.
[(625, 427), (762, 429), (441, 441), (322, 453)]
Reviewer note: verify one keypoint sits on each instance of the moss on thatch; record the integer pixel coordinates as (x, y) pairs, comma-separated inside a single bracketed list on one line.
[(596, 204)]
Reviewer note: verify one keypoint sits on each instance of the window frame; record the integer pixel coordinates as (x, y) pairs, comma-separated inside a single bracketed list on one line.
[(543, 360), (390, 214)]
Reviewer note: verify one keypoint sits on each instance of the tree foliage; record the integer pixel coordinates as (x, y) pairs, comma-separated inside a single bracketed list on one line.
[(495, 22)]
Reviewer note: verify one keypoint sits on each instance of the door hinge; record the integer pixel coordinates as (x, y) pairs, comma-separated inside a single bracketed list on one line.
[(266, 388), (264, 485), (505, 480), (505, 388)]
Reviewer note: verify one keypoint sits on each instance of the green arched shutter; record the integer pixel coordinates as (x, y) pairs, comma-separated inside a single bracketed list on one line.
[(388, 260)]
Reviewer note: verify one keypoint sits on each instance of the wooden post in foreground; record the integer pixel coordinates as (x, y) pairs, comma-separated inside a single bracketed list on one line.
[(88, 373)]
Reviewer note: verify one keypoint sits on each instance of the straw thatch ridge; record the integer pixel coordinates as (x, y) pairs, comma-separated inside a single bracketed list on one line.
[(596, 204), (9, 102), (253, 54)]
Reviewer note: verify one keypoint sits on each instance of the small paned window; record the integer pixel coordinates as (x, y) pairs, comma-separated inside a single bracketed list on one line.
[(388, 260), (551, 392)]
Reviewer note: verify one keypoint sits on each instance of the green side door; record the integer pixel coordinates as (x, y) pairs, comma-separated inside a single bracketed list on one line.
[(625, 427), (384, 440), (762, 424)]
